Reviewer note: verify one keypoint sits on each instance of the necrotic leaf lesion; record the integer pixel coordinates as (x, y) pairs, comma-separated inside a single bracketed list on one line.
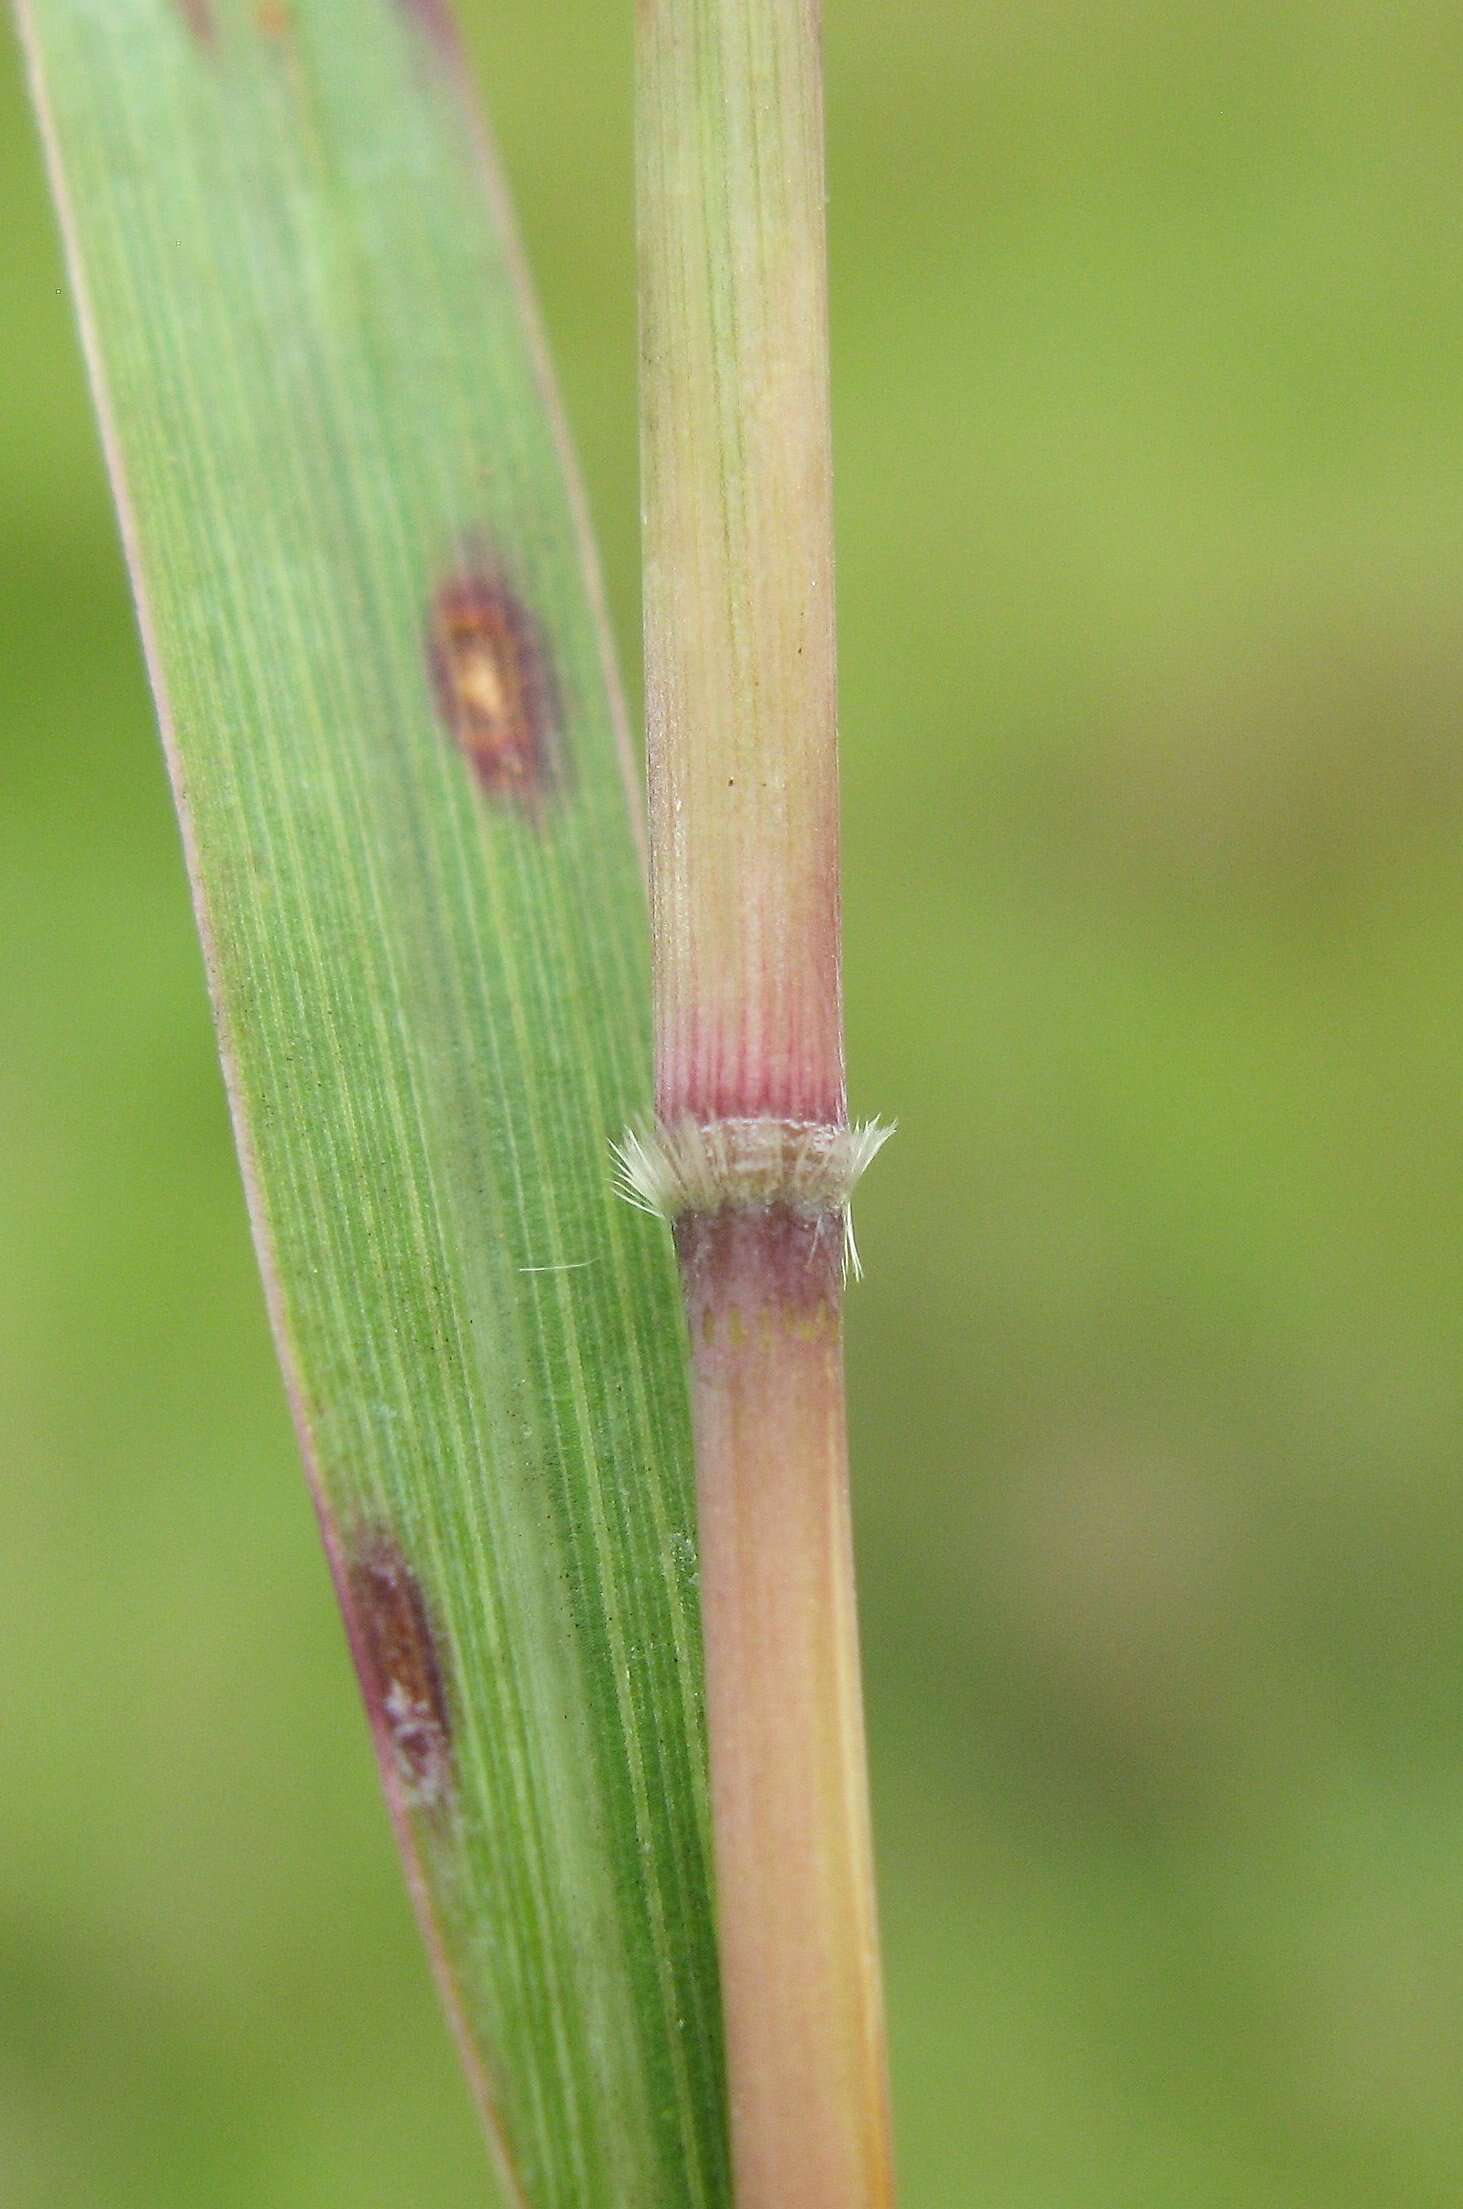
[(400, 1665), (494, 686)]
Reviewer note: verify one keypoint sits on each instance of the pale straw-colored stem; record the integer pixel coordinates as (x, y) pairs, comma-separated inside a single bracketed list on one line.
[(794, 1874), (751, 1154)]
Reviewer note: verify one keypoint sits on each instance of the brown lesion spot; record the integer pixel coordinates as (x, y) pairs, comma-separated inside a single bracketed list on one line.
[(495, 688), (198, 15), (401, 1672)]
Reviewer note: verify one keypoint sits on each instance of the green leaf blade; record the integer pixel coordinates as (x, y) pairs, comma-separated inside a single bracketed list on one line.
[(429, 968)]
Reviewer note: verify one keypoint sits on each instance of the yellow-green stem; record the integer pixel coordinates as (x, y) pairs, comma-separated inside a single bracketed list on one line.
[(738, 549)]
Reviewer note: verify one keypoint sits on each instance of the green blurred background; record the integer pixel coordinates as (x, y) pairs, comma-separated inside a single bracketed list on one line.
[(1148, 352)]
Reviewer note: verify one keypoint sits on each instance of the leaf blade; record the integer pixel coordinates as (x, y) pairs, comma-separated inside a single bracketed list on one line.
[(327, 408)]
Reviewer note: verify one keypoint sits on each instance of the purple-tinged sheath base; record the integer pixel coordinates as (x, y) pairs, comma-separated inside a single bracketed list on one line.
[(746, 1263)]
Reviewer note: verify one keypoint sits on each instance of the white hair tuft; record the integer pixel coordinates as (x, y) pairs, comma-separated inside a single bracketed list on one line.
[(683, 1165)]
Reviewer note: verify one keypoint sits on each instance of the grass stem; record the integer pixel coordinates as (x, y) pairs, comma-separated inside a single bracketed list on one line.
[(752, 1155)]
